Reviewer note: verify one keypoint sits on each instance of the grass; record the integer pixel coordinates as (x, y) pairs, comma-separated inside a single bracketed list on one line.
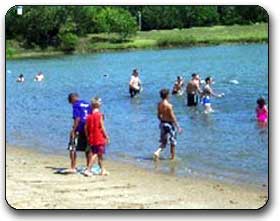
[(157, 39)]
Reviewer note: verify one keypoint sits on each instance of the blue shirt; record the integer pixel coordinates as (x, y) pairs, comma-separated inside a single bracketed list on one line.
[(81, 109)]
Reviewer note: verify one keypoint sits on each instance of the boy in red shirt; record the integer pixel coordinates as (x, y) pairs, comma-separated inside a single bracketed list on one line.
[(97, 136)]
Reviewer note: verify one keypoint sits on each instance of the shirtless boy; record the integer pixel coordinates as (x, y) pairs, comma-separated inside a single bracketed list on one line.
[(168, 125), (192, 89)]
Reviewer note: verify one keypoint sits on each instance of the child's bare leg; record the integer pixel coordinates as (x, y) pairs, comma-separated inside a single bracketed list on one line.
[(73, 159), (92, 158), (172, 151), (87, 153), (208, 109), (100, 162), (157, 153)]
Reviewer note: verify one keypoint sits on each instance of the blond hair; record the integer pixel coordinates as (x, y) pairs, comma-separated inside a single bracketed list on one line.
[(96, 102)]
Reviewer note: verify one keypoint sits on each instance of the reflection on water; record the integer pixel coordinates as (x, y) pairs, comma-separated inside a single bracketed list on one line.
[(227, 144)]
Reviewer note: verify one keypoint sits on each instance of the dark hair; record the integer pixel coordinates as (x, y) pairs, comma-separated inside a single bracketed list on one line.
[(71, 95), (135, 71), (164, 93), (194, 75), (261, 102), (207, 79), (21, 75)]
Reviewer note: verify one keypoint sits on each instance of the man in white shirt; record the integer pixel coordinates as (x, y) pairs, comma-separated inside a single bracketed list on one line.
[(134, 84)]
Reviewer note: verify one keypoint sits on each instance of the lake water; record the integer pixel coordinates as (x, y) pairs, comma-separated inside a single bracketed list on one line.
[(226, 145)]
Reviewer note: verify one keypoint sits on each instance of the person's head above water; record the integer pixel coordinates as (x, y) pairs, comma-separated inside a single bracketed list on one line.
[(135, 72), (208, 80), (195, 76), (73, 97), (179, 78), (21, 76), (164, 93), (96, 102), (261, 102)]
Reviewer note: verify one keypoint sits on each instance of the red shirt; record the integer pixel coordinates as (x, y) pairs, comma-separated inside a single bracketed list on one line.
[(96, 135)]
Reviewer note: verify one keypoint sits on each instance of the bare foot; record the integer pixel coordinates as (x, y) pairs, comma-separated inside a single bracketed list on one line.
[(104, 173), (156, 156), (87, 173), (70, 171)]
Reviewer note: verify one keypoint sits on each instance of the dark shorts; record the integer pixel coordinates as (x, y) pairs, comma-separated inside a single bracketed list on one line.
[(133, 91), (167, 130), (192, 100), (81, 142), (98, 149)]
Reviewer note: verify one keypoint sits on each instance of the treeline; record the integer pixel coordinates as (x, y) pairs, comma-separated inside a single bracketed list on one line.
[(61, 26)]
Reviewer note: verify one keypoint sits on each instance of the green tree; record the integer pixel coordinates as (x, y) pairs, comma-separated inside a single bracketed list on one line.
[(117, 20), (68, 38)]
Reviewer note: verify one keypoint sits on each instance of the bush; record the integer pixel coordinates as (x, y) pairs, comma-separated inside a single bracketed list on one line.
[(175, 40), (69, 42)]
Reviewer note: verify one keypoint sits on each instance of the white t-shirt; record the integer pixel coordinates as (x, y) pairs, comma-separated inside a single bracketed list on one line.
[(135, 82), (39, 77)]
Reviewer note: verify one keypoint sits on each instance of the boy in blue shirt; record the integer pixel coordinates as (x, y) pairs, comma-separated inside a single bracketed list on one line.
[(80, 111)]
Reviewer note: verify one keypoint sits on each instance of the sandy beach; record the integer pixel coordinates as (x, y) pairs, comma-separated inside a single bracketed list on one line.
[(31, 183)]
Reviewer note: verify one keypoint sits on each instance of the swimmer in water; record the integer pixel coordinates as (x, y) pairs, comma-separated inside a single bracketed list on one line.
[(207, 93), (20, 78), (178, 86), (261, 111), (39, 77)]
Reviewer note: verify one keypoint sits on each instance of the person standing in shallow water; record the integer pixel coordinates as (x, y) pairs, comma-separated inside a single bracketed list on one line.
[(134, 84), (20, 79), (192, 89), (81, 109), (207, 94), (178, 86), (168, 125), (261, 111)]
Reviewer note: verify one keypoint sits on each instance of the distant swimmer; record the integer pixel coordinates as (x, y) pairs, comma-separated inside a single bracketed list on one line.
[(261, 110), (20, 78), (193, 89), (178, 86), (233, 82), (207, 93), (39, 77), (135, 84), (168, 125)]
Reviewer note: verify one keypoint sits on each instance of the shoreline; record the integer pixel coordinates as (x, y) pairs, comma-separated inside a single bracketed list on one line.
[(127, 186), (53, 54), (153, 39)]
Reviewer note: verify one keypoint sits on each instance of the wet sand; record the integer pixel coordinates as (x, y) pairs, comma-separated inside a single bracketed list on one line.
[(31, 183)]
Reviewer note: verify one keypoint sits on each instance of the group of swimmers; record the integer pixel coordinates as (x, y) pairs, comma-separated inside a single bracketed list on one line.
[(88, 132), (38, 77), (193, 89)]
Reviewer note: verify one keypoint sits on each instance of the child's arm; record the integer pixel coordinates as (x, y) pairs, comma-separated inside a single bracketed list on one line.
[(214, 94), (104, 130), (74, 127), (265, 109)]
